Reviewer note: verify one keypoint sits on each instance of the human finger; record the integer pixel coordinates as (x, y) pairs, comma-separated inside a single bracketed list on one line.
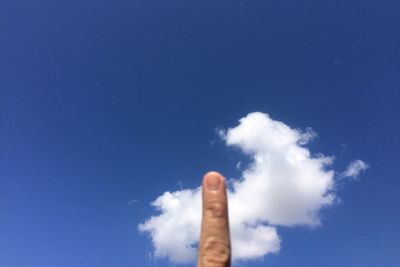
[(214, 245)]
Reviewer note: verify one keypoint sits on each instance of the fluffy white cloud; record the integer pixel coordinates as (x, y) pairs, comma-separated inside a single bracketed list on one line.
[(176, 230), (284, 185), (354, 169)]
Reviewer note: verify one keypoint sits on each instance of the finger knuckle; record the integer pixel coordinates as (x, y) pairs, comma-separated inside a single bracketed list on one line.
[(216, 253), (216, 209)]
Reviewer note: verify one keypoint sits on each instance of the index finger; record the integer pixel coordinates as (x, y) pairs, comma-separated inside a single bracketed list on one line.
[(214, 245)]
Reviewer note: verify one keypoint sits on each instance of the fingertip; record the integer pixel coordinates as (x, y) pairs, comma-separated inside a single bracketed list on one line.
[(213, 180), (212, 174)]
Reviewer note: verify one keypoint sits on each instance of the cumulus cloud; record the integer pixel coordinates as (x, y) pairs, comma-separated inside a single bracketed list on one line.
[(354, 169), (284, 185)]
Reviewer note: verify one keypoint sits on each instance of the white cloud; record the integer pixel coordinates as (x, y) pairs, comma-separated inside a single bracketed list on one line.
[(176, 230), (133, 202), (238, 165), (354, 169), (283, 186)]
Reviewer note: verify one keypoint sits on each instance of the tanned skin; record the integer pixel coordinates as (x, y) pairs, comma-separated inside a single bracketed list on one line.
[(214, 244)]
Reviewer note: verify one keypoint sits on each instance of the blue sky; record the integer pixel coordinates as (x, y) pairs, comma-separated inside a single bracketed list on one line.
[(103, 102)]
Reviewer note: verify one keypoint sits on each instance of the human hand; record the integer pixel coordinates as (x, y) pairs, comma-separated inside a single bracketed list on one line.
[(214, 245)]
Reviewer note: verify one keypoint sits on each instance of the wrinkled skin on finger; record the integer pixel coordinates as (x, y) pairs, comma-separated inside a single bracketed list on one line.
[(214, 244)]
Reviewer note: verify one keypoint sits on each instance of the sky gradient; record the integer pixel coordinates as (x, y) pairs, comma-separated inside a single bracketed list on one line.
[(104, 105)]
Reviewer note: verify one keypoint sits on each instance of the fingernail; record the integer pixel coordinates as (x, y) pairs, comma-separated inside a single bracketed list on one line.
[(213, 181)]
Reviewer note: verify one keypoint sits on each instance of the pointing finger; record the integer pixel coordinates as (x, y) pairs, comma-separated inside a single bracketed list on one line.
[(214, 245)]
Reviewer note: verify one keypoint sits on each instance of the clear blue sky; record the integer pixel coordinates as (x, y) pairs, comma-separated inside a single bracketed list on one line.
[(102, 102)]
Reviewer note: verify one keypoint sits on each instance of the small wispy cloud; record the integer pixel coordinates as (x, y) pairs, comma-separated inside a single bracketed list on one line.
[(284, 185), (354, 169), (238, 165), (132, 202)]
